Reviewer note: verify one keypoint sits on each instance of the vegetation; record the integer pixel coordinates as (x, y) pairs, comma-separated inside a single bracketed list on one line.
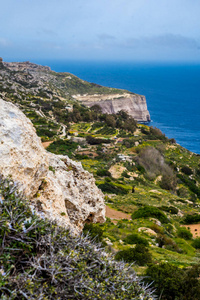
[(40, 260), (140, 255), (150, 211), (172, 282)]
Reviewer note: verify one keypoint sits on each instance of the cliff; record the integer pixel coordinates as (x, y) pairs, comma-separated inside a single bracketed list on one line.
[(58, 186), (135, 105)]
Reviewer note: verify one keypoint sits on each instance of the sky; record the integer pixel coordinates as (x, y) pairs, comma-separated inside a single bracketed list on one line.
[(130, 30)]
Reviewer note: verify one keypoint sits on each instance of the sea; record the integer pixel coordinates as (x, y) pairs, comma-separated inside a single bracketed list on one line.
[(172, 92)]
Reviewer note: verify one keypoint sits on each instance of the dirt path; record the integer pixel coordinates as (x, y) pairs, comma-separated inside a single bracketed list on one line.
[(194, 228), (46, 144), (116, 215)]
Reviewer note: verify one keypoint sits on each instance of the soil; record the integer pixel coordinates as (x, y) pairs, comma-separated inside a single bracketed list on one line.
[(194, 228), (116, 215), (46, 144), (116, 171)]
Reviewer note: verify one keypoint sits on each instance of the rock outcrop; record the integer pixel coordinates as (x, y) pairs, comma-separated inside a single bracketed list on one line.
[(60, 187), (135, 105)]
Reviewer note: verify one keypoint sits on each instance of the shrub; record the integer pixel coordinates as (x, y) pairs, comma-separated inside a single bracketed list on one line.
[(190, 183), (186, 170), (136, 239), (153, 163), (167, 279), (184, 233), (94, 230), (40, 260), (191, 219), (95, 141), (150, 211), (173, 283), (196, 243), (114, 188), (164, 240), (168, 182), (171, 209), (140, 255), (103, 172)]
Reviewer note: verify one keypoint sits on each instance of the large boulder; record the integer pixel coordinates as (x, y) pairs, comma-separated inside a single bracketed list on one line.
[(60, 187)]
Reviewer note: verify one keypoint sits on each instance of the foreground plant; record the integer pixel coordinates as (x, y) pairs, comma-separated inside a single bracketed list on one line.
[(40, 260)]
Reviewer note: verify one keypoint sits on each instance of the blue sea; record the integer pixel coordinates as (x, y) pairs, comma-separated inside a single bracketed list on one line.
[(172, 92)]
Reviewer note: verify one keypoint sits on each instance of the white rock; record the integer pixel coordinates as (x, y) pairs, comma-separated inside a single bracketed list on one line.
[(66, 191)]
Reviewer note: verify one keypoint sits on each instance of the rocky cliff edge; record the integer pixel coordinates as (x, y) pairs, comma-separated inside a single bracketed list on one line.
[(135, 105), (59, 187)]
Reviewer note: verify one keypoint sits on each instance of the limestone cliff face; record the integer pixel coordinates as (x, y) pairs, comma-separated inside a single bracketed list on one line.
[(135, 105), (64, 190)]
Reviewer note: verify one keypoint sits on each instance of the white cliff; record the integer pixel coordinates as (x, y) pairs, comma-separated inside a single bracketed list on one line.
[(135, 105)]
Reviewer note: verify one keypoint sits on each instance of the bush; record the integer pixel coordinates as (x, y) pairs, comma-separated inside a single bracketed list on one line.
[(186, 170), (184, 233), (40, 260), (153, 163), (190, 183), (164, 240), (103, 172), (95, 141), (114, 188), (136, 239), (168, 182), (94, 230), (171, 209), (191, 219), (196, 243), (173, 283), (140, 255), (150, 211)]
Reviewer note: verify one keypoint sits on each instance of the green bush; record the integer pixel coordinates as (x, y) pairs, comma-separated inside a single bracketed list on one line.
[(167, 242), (171, 209), (136, 239), (196, 243), (186, 170), (173, 283), (150, 211), (190, 183), (95, 231), (114, 188), (103, 172), (184, 233), (191, 219), (140, 255)]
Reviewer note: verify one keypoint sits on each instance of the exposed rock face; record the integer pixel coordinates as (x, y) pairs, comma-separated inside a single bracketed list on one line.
[(135, 105), (65, 191)]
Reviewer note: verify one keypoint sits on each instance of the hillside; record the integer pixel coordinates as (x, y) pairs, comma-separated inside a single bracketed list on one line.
[(151, 184)]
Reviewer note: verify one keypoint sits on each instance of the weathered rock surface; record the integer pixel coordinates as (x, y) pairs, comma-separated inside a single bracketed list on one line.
[(64, 190), (135, 105)]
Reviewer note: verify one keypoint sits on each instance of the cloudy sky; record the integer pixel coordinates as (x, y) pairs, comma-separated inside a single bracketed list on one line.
[(135, 30)]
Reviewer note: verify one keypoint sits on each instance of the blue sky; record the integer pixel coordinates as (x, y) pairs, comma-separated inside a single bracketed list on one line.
[(135, 30)]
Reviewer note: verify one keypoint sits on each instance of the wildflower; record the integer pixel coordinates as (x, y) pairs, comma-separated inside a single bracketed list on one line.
[(2, 272)]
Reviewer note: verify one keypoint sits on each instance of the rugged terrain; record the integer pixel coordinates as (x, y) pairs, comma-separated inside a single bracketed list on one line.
[(151, 184)]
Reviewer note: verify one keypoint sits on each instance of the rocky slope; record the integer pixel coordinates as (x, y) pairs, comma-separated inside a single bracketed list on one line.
[(59, 186)]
